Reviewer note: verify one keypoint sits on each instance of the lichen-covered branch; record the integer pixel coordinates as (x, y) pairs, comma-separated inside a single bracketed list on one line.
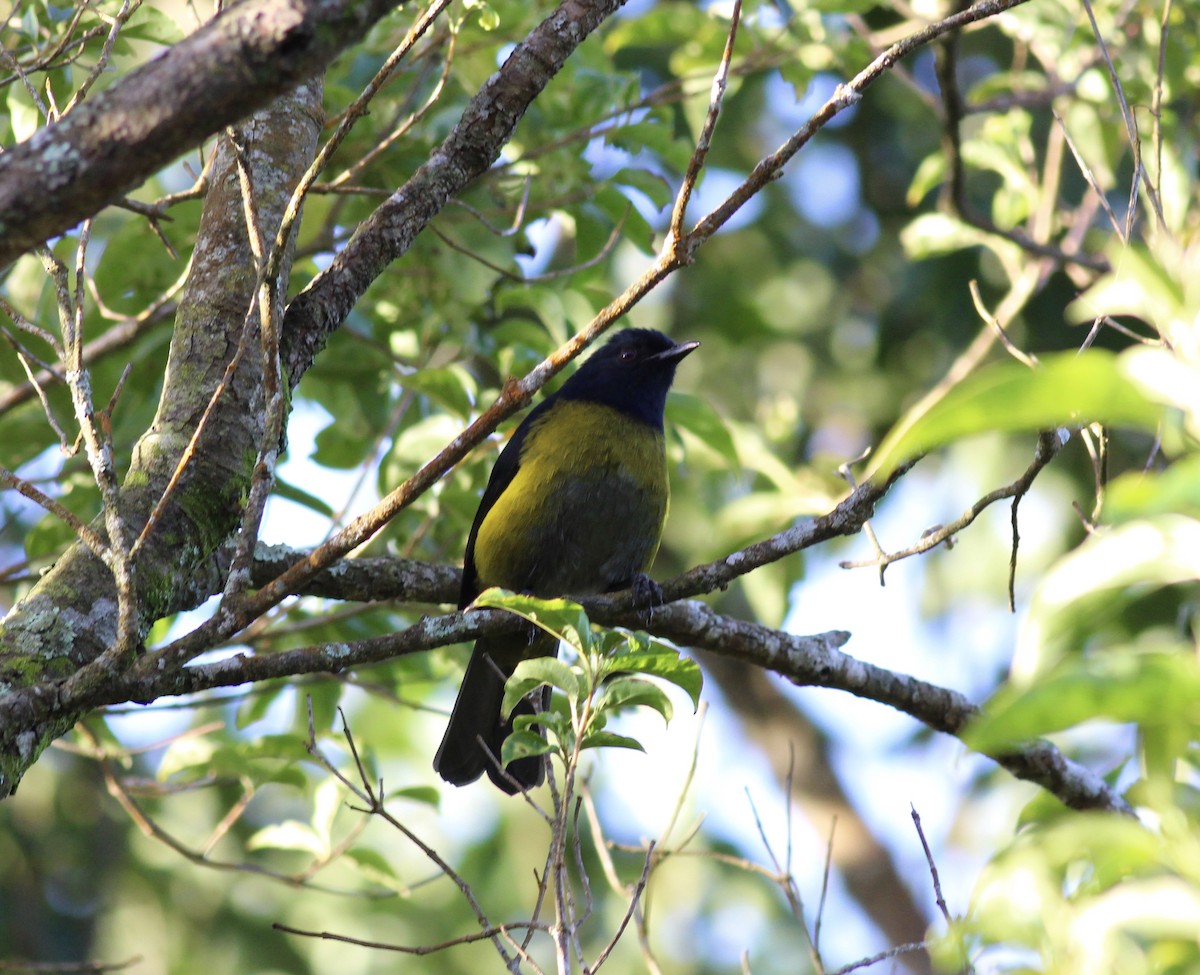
[(817, 662), (60, 631), (243, 59)]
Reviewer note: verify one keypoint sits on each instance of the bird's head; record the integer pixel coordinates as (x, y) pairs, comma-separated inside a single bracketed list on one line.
[(631, 372)]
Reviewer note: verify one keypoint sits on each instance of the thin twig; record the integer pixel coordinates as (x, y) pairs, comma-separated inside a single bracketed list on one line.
[(890, 954), (1049, 444), (613, 239), (86, 534), (342, 180), (704, 141), (816, 938), (933, 871), (118, 21), (371, 794), (517, 394), (1135, 140), (1027, 359)]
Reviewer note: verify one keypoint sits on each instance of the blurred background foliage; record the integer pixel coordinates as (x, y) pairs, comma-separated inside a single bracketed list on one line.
[(1057, 173)]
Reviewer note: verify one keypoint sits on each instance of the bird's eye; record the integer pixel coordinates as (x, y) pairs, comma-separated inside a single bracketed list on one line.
[(627, 355)]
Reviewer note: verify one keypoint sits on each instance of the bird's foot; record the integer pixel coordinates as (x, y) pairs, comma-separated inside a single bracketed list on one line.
[(647, 595)]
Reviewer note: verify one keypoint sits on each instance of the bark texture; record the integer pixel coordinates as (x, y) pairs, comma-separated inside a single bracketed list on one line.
[(60, 631), (245, 57)]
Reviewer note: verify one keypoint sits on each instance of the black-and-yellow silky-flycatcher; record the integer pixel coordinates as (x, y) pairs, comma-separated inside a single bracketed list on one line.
[(575, 505)]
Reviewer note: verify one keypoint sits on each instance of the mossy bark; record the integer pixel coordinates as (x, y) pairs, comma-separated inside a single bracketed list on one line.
[(69, 619)]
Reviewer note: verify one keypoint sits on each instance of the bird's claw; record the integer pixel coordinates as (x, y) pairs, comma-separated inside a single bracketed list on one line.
[(647, 595)]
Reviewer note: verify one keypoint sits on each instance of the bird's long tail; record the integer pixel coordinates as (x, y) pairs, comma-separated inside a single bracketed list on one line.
[(476, 732)]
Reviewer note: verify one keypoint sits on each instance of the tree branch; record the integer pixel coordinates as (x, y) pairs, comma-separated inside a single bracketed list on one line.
[(807, 661), (243, 59), (817, 662), (475, 143), (191, 487)]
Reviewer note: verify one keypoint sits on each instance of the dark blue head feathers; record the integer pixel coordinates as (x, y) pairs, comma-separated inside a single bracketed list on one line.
[(631, 373)]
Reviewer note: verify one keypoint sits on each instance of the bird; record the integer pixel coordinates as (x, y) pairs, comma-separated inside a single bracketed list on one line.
[(575, 505)]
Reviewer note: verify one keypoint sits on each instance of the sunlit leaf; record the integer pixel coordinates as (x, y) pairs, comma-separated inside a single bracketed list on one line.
[(1064, 390), (289, 835), (185, 753), (606, 739), (1133, 687), (1142, 494), (1090, 582), (559, 617), (696, 415), (374, 866), (627, 692), (427, 795)]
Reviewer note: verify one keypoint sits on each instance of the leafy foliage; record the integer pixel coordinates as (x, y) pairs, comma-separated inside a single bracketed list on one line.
[(1026, 186), (599, 686)]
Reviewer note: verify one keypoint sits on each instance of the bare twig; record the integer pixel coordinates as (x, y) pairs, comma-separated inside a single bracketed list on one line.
[(704, 142), (200, 857), (816, 936), (372, 796), (783, 878), (890, 954), (677, 253), (342, 180), (86, 534), (1135, 140), (117, 22), (613, 239), (1049, 444), (933, 871)]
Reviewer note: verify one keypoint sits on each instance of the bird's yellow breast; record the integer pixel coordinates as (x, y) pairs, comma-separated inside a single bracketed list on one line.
[(585, 510)]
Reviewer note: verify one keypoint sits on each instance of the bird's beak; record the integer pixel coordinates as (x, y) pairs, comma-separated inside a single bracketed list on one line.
[(676, 352)]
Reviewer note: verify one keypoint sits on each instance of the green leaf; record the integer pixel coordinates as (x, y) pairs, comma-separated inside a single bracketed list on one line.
[(1167, 378), (933, 234), (155, 25), (302, 497), (665, 662), (375, 867), (1148, 688), (326, 804), (532, 674), (1064, 390), (560, 618), (185, 753), (1145, 284), (627, 692), (697, 417), (419, 442), (929, 175), (1090, 585), (288, 835), (425, 794), (1142, 494), (254, 707), (23, 116), (47, 538), (653, 185), (544, 302), (523, 744), (452, 387), (606, 739)]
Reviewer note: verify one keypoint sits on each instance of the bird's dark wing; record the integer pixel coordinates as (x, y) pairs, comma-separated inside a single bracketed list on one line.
[(505, 469)]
